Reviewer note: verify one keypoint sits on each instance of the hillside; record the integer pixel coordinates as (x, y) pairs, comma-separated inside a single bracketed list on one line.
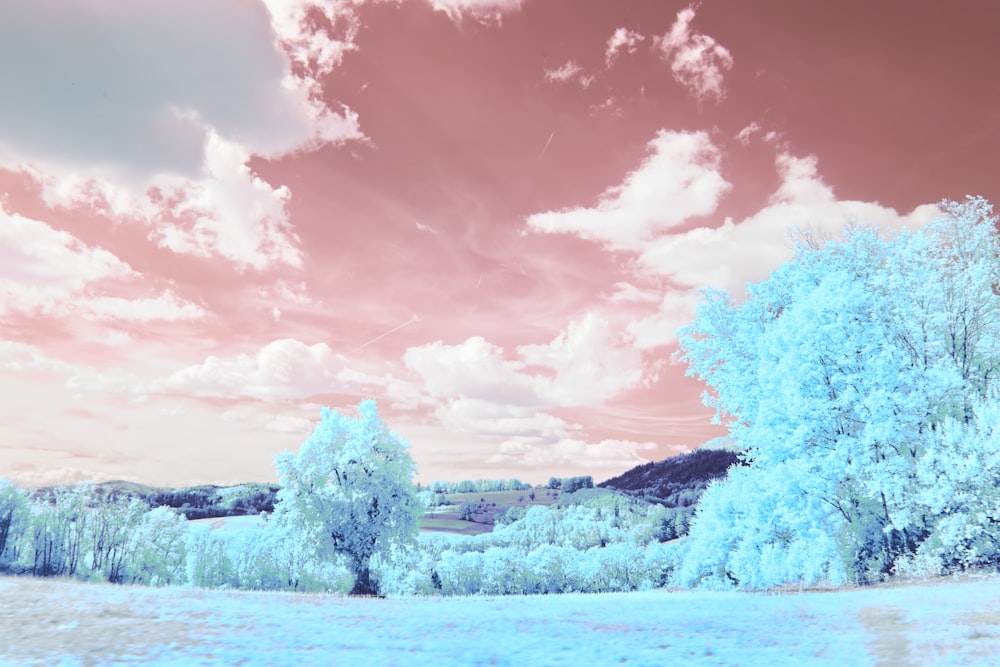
[(677, 481)]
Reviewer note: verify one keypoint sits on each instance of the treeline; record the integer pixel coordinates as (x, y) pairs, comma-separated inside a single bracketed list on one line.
[(593, 541), (477, 486), (84, 533), (571, 484), (206, 501)]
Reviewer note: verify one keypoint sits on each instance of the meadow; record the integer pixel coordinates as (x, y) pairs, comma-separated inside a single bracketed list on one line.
[(948, 621)]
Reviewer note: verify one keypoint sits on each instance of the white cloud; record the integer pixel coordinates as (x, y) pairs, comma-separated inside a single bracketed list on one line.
[(572, 453), (315, 47), (569, 72), (282, 369), (747, 132), (49, 271), (23, 358), (623, 40), (626, 292), (63, 476), (260, 417), (676, 309), (103, 109), (287, 293), (583, 365), (749, 250), (475, 390), (587, 364), (678, 180), (41, 268), (697, 61), (167, 306), (230, 212), (489, 419), (482, 10), (474, 369)]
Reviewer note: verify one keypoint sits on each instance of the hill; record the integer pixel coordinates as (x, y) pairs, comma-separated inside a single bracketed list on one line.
[(677, 481)]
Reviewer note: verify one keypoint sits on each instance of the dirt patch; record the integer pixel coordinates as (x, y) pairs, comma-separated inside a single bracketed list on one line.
[(890, 645), (42, 619)]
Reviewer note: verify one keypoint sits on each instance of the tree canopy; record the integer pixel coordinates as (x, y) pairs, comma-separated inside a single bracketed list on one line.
[(843, 378), (348, 491)]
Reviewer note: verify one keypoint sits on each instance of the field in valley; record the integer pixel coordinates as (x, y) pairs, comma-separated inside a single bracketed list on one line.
[(944, 622)]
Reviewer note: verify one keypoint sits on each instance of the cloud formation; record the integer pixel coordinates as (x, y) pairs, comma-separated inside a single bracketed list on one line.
[(679, 179), (621, 41), (487, 11), (572, 452), (282, 369), (50, 272), (697, 61), (139, 129), (569, 72), (747, 251)]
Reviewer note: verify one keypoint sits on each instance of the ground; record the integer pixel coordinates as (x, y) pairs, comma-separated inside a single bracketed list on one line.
[(944, 622)]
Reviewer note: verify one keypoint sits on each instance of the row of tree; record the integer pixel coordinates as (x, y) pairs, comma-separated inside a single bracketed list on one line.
[(477, 486), (79, 533)]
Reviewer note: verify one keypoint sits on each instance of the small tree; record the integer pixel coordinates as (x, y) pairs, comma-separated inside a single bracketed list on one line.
[(349, 492), (14, 520)]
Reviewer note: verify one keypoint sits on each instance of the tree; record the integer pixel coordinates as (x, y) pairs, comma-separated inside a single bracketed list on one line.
[(840, 371), (14, 519), (348, 491)]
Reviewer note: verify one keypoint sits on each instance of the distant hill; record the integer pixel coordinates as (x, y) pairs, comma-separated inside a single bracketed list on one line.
[(194, 502), (677, 481)]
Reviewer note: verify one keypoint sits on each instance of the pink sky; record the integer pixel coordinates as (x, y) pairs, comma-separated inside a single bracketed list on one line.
[(490, 215)]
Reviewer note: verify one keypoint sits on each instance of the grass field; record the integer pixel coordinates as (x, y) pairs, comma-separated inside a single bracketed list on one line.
[(946, 622)]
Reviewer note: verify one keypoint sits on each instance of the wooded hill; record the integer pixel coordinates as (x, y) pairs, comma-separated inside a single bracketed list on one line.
[(677, 481)]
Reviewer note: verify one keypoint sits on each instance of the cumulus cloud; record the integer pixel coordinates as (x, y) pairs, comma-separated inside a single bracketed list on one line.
[(51, 272), (478, 390), (474, 369), (587, 364), (622, 41), (103, 109), (749, 250), (282, 369), (41, 266), (569, 72), (679, 179), (487, 11), (316, 47), (230, 212), (697, 61)]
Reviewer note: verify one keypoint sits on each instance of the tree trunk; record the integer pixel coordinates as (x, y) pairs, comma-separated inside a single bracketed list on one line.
[(363, 584)]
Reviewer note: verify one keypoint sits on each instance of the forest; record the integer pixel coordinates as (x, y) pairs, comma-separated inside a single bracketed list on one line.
[(859, 385)]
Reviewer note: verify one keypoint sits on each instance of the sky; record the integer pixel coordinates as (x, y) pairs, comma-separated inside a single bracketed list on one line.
[(491, 216)]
